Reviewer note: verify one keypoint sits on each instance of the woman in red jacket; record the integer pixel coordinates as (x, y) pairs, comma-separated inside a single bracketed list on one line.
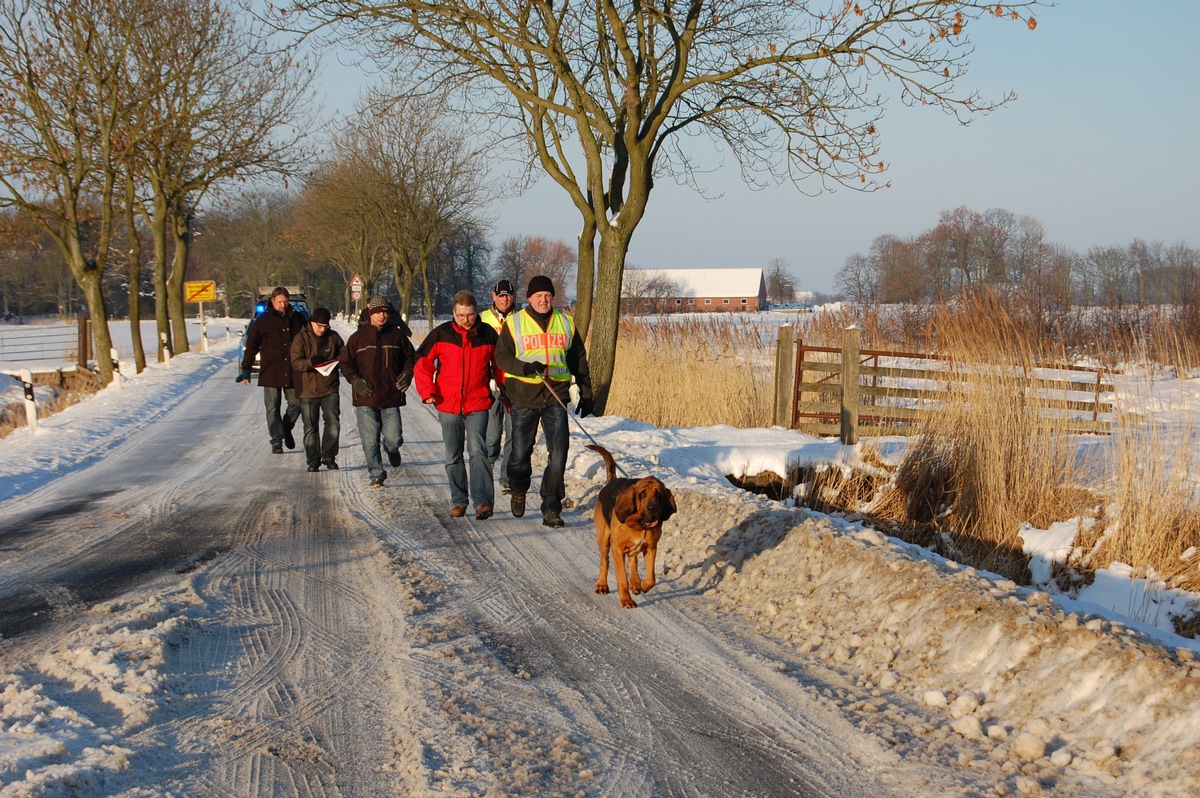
[(454, 366)]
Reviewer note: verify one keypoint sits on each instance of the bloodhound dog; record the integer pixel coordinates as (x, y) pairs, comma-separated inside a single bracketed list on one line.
[(629, 517)]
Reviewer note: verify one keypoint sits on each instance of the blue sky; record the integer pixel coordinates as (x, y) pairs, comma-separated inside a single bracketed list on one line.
[(1102, 146)]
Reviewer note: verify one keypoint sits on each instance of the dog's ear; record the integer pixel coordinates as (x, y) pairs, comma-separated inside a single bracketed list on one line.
[(627, 506), (671, 509)]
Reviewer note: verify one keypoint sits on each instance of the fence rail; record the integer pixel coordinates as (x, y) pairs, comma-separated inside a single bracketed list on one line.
[(46, 345), (890, 398)]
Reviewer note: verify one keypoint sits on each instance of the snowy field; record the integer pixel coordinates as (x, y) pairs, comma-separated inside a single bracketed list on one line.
[(904, 673)]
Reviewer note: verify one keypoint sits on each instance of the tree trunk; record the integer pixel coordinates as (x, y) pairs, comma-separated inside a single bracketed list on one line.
[(91, 280), (585, 277), (424, 266), (135, 281), (158, 228), (602, 354), (182, 233)]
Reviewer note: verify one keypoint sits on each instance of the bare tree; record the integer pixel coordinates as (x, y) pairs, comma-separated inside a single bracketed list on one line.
[(338, 216), (781, 285), (605, 95), (648, 291), (228, 105), (523, 257), (64, 137), (858, 280)]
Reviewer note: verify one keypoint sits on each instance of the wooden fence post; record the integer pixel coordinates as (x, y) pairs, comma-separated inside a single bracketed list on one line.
[(851, 344), (84, 347), (784, 355)]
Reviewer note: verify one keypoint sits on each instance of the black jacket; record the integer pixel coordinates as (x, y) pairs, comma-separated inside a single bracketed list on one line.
[(271, 336), (379, 355), (308, 351)]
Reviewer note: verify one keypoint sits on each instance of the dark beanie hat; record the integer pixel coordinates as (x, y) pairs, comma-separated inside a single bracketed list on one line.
[(539, 283), (321, 315)]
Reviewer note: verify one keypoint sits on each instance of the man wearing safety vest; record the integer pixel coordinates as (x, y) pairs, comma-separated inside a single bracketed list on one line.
[(540, 351), (499, 421)]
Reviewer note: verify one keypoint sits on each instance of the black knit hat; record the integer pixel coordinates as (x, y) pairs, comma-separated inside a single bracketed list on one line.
[(503, 288), (321, 316), (539, 283)]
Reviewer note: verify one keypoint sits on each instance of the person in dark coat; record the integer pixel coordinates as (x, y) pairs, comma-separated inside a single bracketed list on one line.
[(378, 363), (455, 365), (541, 352), (270, 337), (499, 419), (317, 384)]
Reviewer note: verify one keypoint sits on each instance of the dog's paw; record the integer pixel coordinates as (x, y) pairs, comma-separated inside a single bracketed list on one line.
[(628, 603), (602, 589)]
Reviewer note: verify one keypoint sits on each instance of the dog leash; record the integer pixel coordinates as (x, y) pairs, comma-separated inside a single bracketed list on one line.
[(578, 423)]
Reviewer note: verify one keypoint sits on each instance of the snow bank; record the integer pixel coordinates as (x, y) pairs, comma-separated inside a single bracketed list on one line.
[(986, 660), (957, 654)]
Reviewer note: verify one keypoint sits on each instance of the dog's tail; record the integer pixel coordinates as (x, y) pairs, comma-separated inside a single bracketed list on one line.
[(608, 460)]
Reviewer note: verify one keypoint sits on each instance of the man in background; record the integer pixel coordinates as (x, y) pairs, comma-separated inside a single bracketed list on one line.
[(270, 337), (317, 382), (499, 420), (378, 363)]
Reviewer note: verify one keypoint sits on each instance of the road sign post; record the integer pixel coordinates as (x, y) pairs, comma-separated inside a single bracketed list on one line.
[(201, 291)]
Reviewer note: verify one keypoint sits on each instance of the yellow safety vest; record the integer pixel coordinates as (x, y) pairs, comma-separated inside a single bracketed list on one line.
[(489, 317), (533, 345)]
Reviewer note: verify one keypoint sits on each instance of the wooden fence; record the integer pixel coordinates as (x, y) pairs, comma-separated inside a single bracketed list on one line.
[(894, 392)]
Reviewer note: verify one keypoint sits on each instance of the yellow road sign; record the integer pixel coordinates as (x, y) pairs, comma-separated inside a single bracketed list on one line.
[(200, 291)]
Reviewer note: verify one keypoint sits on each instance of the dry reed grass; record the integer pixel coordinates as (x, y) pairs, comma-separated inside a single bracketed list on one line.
[(1150, 519), (693, 371), (986, 465)]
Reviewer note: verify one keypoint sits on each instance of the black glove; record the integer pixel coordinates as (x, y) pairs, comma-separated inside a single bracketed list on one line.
[(243, 376), (532, 369), (362, 388), (585, 407), (403, 381)]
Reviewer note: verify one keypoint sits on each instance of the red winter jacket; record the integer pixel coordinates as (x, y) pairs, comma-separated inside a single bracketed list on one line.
[(454, 366)]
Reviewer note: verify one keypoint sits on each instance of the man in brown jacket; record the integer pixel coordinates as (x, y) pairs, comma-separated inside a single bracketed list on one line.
[(271, 336), (378, 363), (313, 352)]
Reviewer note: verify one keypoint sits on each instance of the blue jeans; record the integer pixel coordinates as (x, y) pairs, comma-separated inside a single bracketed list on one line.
[(372, 421), (524, 436), (470, 429), (499, 426), (321, 448), (277, 425)]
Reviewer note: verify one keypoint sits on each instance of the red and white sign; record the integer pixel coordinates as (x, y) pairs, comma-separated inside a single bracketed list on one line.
[(356, 284), (355, 294)]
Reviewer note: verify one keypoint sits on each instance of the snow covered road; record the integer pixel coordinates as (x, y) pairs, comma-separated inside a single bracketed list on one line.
[(183, 613), (344, 640)]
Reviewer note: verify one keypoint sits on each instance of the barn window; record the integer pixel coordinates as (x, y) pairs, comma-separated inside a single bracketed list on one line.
[(708, 301), (724, 301)]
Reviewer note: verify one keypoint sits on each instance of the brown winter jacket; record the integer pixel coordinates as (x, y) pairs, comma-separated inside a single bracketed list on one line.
[(308, 351), (271, 335), (379, 356)]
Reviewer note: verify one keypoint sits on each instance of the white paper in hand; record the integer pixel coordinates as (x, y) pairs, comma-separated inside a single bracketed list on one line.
[(326, 368)]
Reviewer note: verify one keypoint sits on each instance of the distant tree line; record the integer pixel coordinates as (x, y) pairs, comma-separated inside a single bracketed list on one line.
[(1102, 299), (1010, 255)]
